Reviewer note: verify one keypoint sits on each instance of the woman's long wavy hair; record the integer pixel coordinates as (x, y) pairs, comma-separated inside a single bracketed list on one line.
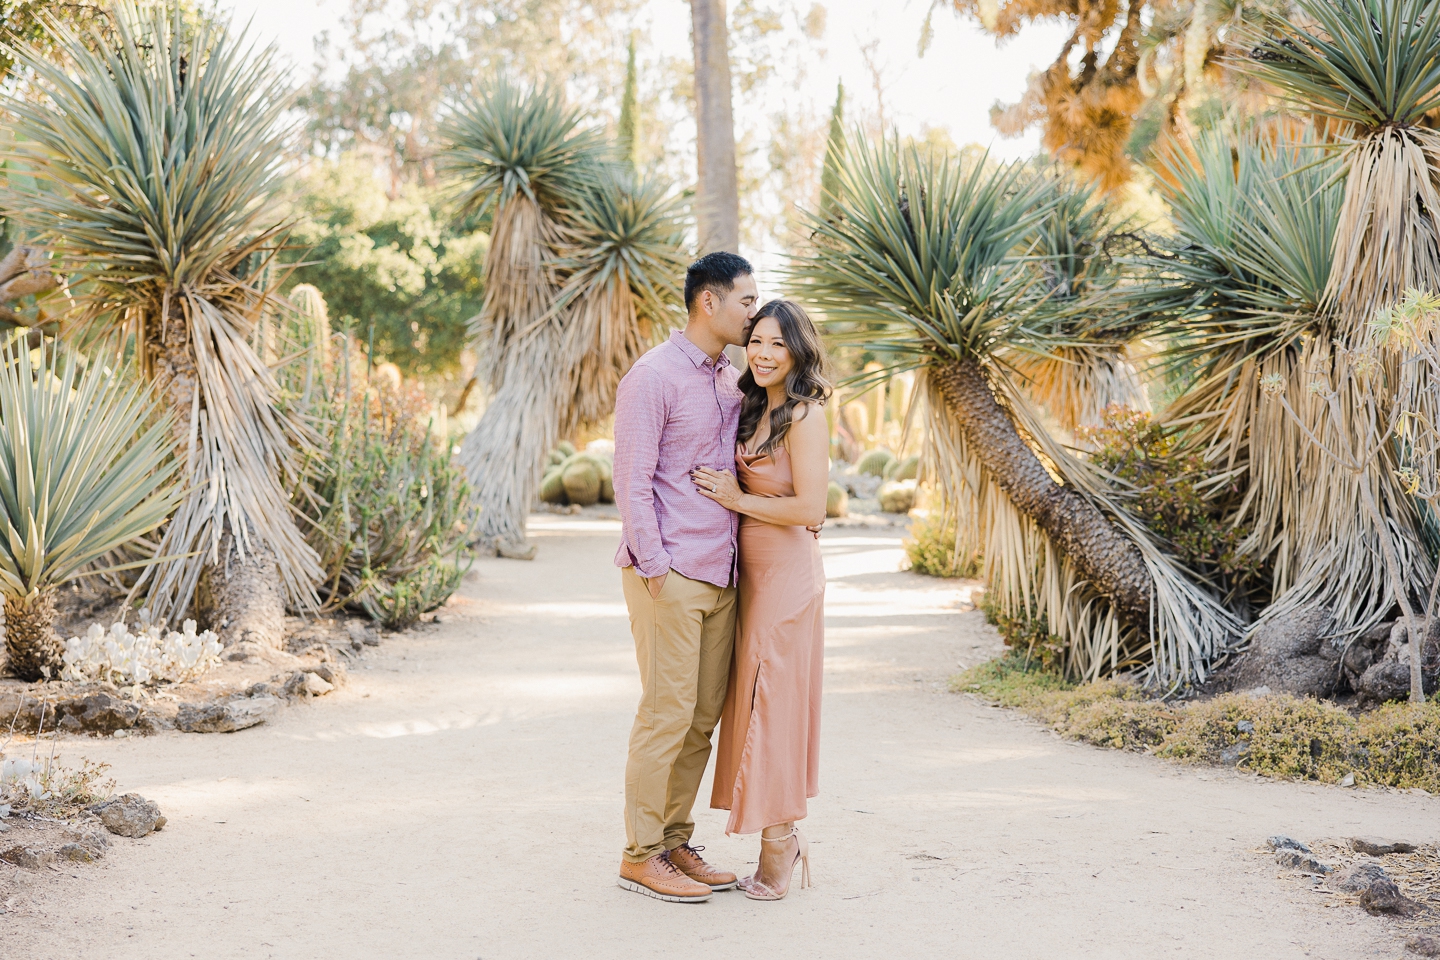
[(807, 382)]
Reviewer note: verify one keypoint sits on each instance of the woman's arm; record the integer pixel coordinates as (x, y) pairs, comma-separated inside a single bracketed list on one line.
[(808, 442)]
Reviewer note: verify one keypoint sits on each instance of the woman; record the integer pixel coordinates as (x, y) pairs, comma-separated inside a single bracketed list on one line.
[(767, 761)]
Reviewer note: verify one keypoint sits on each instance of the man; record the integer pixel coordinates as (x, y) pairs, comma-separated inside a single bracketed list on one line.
[(677, 409)]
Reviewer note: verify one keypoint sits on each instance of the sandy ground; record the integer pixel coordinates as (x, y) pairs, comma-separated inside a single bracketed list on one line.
[(462, 799)]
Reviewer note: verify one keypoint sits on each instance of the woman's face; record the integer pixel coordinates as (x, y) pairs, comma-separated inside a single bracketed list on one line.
[(766, 354)]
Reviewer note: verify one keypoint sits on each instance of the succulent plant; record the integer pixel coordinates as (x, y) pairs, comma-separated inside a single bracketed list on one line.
[(897, 496), (581, 476), (837, 501), (552, 487), (907, 469), (875, 462)]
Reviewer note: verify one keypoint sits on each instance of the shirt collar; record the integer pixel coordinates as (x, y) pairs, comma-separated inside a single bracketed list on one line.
[(696, 355)]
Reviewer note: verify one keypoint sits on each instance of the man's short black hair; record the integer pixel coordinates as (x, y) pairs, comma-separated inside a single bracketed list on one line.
[(716, 271)]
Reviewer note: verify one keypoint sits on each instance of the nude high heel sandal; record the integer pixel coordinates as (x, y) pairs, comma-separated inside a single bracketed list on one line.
[(755, 889)]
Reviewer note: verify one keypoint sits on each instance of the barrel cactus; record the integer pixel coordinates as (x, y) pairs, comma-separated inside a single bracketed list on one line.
[(581, 476), (907, 469), (552, 487), (875, 462), (897, 496), (837, 501)]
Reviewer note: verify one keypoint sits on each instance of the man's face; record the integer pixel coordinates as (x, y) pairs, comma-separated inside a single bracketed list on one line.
[(731, 314)]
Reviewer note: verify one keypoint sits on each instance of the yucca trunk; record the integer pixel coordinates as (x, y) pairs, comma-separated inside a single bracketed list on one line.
[(241, 596), (505, 454), (1107, 558), (32, 646), (718, 206)]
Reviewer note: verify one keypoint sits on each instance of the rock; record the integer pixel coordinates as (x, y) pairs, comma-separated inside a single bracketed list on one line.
[(225, 717), (1295, 860), (79, 853), (361, 634), (264, 690), (1425, 944), (25, 857), (1348, 780), (332, 673), (1389, 678), (152, 722), (1245, 727), (130, 815), (1289, 653), (101, 713), (1383, 897), (1363, 652), (1359, 877), (1378, 848), (1230, 756), (306, 683), (1282, 842)]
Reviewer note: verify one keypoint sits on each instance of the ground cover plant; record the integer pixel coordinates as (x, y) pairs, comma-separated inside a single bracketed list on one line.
[(1277, 735)]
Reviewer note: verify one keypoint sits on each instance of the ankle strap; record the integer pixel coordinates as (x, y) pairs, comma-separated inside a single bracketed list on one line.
[(793, 832)]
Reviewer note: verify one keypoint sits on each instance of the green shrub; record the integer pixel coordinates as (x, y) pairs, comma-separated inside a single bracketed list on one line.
[(1276, 735), (1170, 497), (931, 549), (393, 516), (875, 462)]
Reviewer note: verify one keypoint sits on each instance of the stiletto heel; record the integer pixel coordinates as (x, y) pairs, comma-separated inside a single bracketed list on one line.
[(757, 889)]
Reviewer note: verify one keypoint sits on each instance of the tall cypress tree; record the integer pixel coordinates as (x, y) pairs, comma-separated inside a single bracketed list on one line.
[(628, 119), (834, 146)]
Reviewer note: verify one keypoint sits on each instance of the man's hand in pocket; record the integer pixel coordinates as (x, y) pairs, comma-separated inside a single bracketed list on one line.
[(656, 584)]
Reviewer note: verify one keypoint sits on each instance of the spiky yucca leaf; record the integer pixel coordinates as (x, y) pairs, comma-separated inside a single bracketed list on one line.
[(1373, 68), (1247, 273), (159, 143), (622, 258), (85, 467), (921, 258)]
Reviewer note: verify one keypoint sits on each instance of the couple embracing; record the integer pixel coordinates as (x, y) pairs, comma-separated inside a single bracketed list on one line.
[(720, 478)]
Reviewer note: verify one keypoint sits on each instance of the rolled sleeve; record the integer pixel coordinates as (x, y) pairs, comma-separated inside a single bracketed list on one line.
[(639, 421)]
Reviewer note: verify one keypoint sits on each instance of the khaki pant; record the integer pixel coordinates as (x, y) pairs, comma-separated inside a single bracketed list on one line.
[(683, 641)]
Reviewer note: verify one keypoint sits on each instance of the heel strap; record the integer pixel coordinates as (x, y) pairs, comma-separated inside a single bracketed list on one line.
[(794, 832)]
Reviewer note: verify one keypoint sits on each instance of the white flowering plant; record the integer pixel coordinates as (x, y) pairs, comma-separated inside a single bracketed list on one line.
[(152, 654)]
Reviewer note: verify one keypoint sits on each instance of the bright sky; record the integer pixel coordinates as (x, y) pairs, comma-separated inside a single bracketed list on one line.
[(953, 86)]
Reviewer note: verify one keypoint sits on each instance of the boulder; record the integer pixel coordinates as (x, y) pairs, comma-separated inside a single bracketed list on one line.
[(1379, 848), (1424, 944), (23, 856), (1359, 877), (1295, 860), (99, 713), (332, 673), (1383, 897), (225, 717), (1388, 678), (1291, 653), (1282, 842), (130, 815), (306, 684)]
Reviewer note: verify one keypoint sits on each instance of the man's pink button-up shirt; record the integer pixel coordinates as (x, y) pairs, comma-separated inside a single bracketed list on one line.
[(675, 410)]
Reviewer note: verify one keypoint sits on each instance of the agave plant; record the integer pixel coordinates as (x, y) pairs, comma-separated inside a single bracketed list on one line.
[(85, 467), (580, 277), (933, 260), (158, 143)]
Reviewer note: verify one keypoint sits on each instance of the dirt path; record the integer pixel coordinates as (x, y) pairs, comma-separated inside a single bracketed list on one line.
[(461, 799)]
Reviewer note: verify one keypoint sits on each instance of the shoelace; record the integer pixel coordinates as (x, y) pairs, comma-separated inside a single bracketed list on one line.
[(665, 859)]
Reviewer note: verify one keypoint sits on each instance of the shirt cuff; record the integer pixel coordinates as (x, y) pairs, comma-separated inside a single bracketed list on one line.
[(654, 567)]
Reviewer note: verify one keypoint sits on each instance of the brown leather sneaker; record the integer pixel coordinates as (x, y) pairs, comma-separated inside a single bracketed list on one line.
[(688, 859), (661, 879)]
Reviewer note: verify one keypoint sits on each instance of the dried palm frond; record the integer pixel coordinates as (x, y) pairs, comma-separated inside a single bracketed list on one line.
[(921, 262), (159, 146)]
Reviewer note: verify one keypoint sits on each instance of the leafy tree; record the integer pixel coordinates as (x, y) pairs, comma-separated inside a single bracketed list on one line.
[(392, 262), (1144, 67)]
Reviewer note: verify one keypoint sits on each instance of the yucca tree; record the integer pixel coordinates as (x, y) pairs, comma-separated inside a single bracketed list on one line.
[(158, 146), (1371, 70), (935, 265), (85, 467), (1246, 275), (579, 279)]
